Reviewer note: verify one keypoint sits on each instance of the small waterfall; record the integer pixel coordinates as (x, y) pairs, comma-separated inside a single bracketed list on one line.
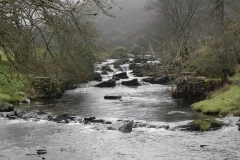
[(109, 69), (106, 77), (125, 67), (97, 67), (112, 67), (105, 73)]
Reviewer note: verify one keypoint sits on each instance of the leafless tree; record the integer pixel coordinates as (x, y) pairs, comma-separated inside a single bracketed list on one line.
[(175, 22), (51, 37)]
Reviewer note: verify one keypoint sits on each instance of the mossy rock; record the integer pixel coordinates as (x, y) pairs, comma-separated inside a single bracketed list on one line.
[(206, 124)]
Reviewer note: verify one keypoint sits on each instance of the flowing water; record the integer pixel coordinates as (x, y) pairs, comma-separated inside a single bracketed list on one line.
[(148, 103)]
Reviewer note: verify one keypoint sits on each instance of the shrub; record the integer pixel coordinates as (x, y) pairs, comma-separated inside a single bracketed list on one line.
[(119, 53), (136, 50)]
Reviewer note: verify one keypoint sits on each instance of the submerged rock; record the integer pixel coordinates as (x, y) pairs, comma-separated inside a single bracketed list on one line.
[(2, 115), (108, 122), (127, 127), (97, 121), (12, 117), (19, 113), (9, 114), (203, 145), (36, 115), (93, 120), (109, 83), (41, 151), (30, 115), (113, 97), (147, 125), (111, 128), (41, 112), (166, 127), (64, 117), (151, 126), (139, 125), (160, 80)]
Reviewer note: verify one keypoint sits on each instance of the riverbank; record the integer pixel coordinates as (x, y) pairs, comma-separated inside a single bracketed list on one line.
[(13, 86), (223, 101), (16, 88)]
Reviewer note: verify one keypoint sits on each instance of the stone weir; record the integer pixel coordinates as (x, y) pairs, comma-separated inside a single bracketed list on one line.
[(45, 87), (190, 87), (194, 87)]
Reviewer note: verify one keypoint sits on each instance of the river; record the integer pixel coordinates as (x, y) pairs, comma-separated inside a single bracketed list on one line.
[(148, 103)]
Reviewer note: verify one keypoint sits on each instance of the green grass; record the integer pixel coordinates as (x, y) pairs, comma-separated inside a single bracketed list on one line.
[(11, 83), (223, 101), (9, 90)]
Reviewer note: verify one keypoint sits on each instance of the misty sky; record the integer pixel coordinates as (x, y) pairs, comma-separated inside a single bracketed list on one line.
[(129, 21)]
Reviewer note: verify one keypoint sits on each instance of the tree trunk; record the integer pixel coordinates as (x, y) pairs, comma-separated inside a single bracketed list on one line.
[(225, 75)]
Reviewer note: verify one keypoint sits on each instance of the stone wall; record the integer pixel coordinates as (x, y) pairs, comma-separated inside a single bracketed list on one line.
[(195, 87), (190, 87), (44, 87)]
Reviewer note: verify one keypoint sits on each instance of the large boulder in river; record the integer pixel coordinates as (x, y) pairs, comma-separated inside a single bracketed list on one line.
[(30, 115), (127, 127), (6, 108), (122, 75), (109, 83), (133, 82)]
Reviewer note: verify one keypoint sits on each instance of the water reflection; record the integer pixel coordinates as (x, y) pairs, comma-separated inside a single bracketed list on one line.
[(148, 102)]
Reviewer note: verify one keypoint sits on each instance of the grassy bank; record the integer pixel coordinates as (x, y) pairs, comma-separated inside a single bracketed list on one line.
[(11, 83), (223, 101)]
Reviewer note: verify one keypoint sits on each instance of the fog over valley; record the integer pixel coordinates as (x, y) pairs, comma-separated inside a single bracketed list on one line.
[(128, 24)]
